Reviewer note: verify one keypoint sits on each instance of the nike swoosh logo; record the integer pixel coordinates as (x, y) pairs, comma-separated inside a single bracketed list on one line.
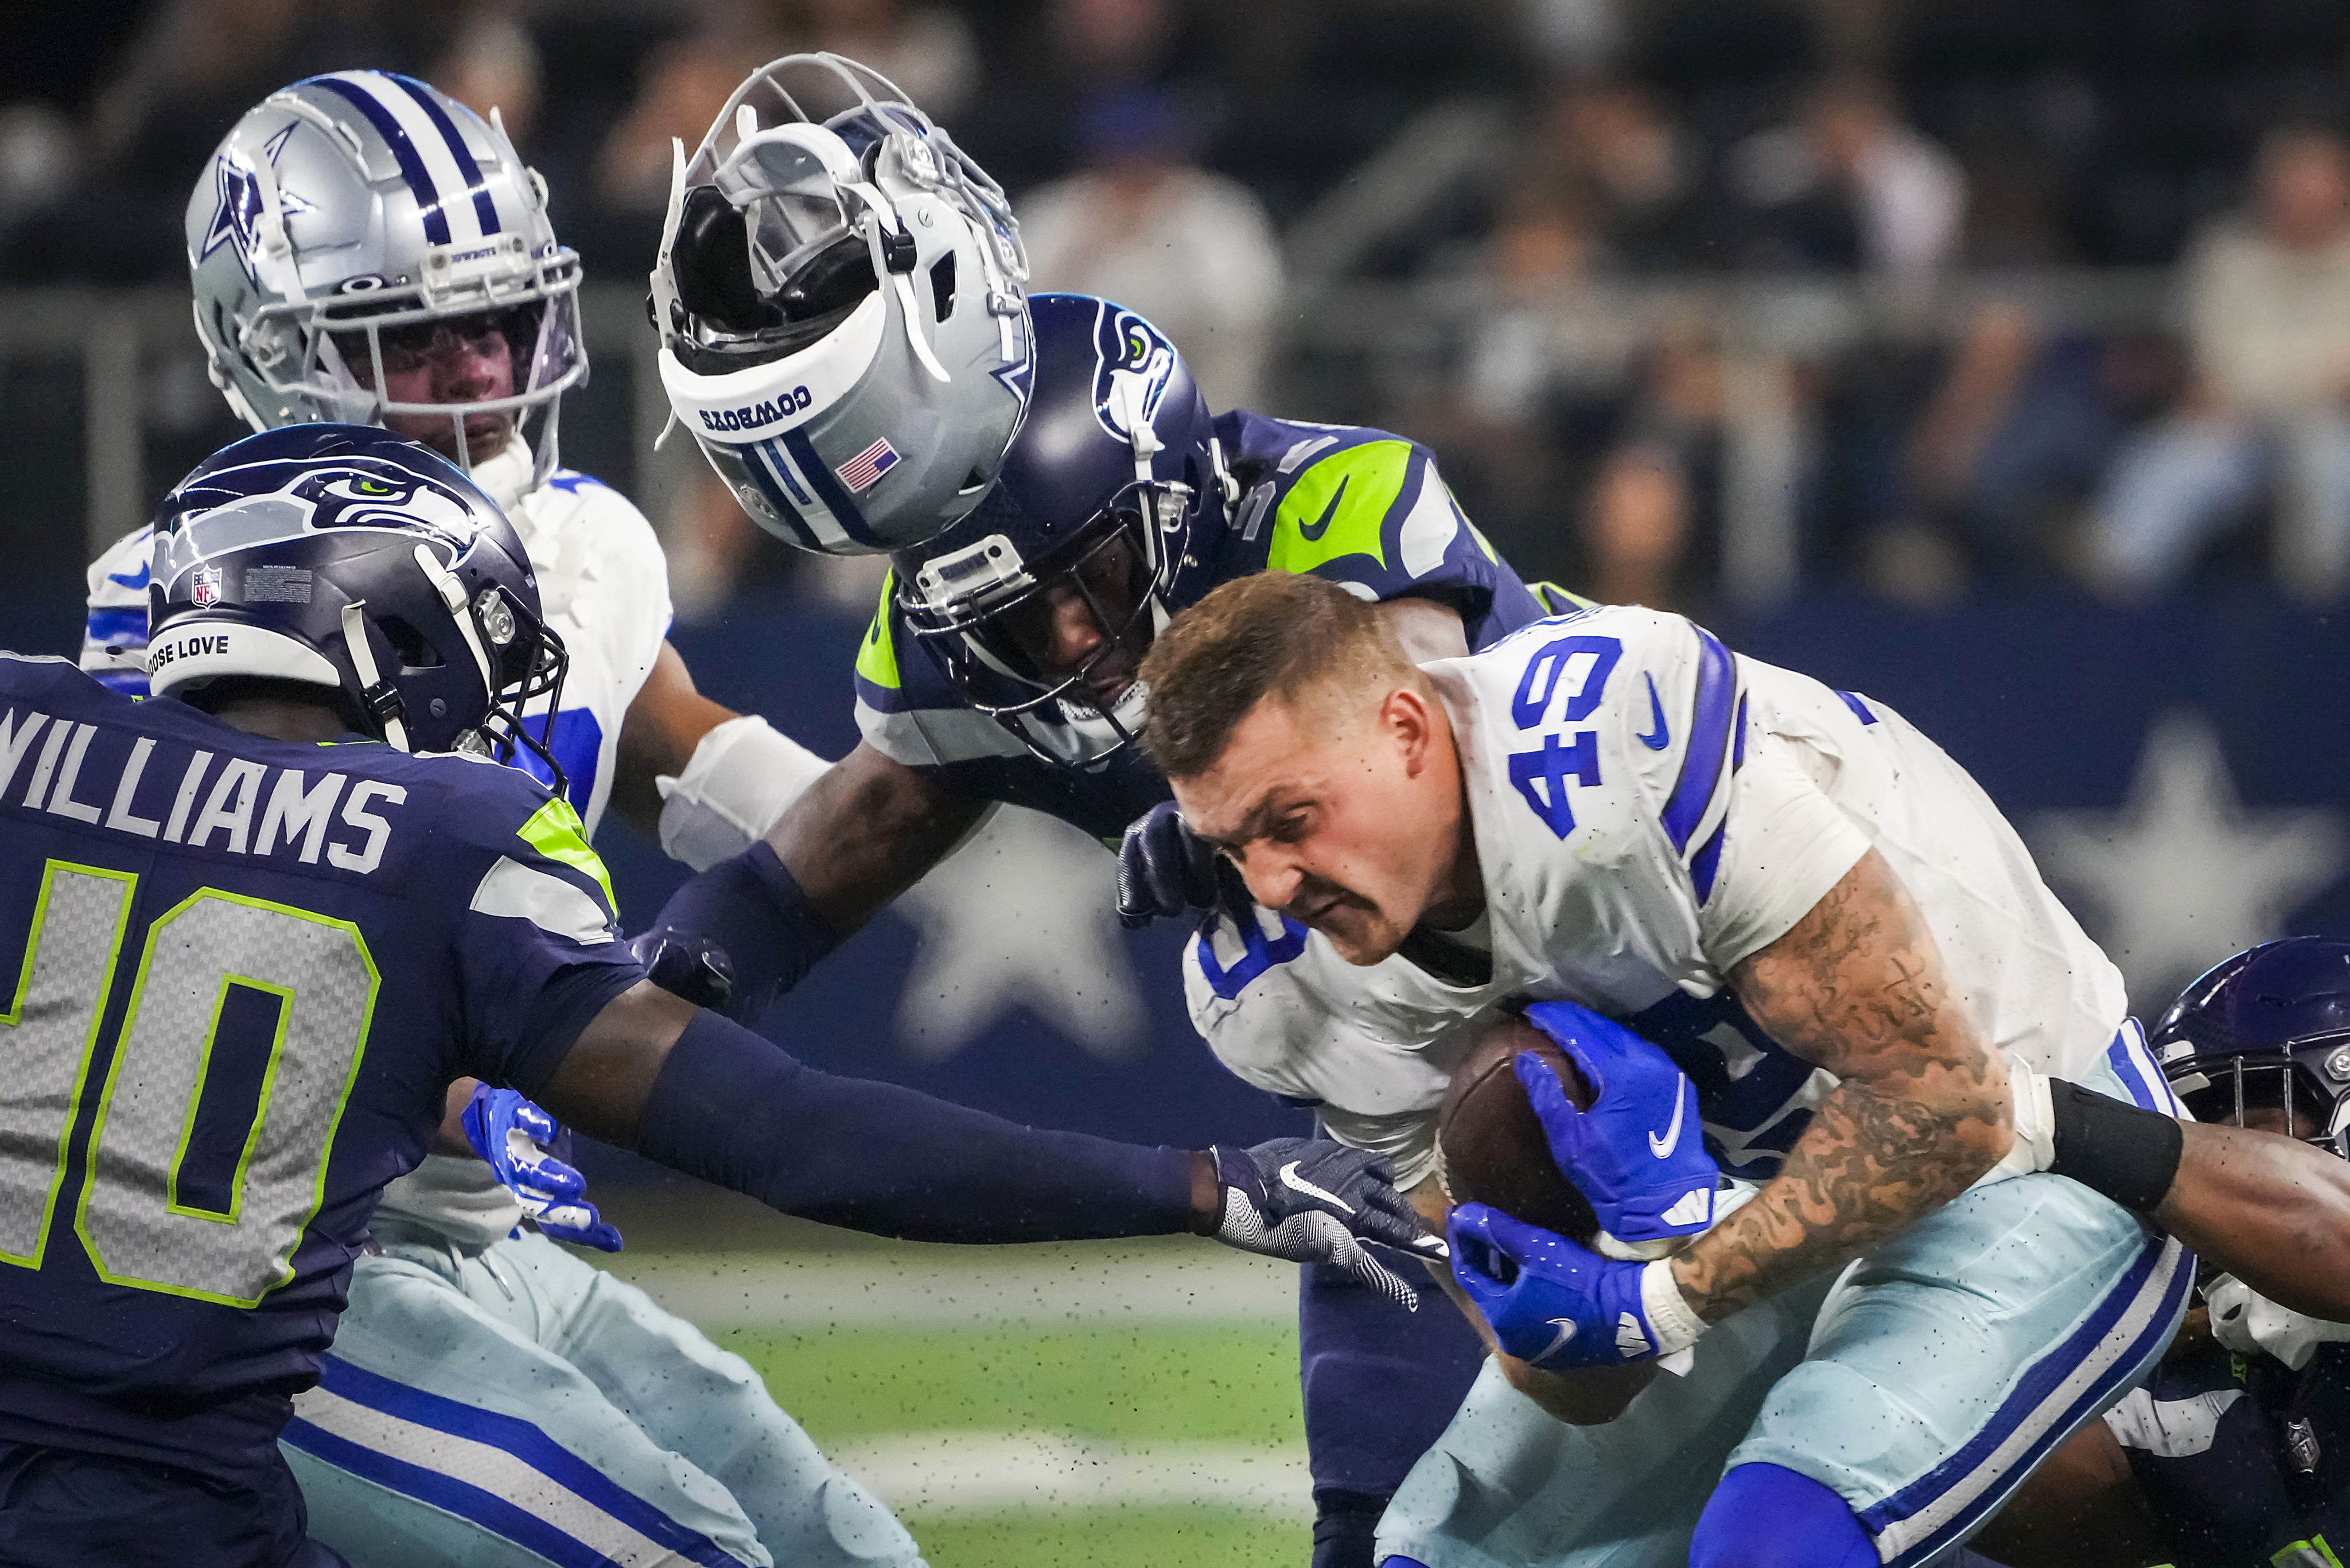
[(1566, 1326), (1291, 1179), (1310, 531), (1662, 1147), (137, 580), (1663, 737)]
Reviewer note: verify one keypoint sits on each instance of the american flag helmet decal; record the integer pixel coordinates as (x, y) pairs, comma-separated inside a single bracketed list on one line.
[(860, 471)]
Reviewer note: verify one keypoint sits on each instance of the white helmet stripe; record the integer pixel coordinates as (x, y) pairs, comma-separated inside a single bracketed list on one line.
[(485, 209), (796, 496), (417, 133), (351, 87)]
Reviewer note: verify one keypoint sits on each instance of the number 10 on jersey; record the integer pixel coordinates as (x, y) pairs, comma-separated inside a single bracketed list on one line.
[(234, 995)]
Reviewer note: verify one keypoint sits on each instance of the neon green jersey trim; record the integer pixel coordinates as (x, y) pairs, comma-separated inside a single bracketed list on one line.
[(2306, 1554), (1339, 507), (556, 832), (877, 656)]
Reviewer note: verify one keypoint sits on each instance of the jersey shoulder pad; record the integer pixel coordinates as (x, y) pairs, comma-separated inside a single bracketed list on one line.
[(114, 632), (55, 685), (600, 531), (523, 851), (908, 708), (1359, 506), (590, 499), (1614, 720), (893, 674), (119, 576)]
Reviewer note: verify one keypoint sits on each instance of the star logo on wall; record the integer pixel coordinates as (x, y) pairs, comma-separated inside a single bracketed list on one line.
[(2184, 874), (1020, 920)]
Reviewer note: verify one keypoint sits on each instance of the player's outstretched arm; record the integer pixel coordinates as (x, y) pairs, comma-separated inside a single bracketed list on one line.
[(866, 831), (2272, 1211), (705, 1096), (1858, 987), (861, 834)]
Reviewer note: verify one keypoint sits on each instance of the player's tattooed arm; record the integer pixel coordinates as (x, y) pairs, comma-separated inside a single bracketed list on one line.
[(1923, 1109)]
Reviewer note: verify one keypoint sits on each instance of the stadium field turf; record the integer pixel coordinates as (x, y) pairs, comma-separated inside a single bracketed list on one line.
[(1011, 1444)]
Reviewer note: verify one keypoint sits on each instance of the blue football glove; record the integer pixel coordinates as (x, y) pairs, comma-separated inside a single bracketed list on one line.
[(690, 966), (1557, 1305), (1639, 1153), (1311, 1200), (1164, 869), (515, 1135)]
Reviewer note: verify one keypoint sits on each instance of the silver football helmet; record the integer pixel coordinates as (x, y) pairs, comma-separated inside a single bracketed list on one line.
[(361, 211), (840, 297)]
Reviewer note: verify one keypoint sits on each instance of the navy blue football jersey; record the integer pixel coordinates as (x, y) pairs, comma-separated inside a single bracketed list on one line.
[(2245, 1461), (1356, 506), (241, 974)]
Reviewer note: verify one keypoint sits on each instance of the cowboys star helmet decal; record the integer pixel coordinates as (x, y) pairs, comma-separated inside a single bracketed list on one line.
[(238, 216)]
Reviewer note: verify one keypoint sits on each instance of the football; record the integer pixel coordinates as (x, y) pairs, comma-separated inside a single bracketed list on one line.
[(1490, 1146)]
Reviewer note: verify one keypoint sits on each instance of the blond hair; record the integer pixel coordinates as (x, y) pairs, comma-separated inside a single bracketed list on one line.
[(1274, 634)]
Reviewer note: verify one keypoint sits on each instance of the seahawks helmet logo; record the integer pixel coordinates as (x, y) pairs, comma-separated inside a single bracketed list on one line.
[(1129, 349), (237, 215), (313, 499)]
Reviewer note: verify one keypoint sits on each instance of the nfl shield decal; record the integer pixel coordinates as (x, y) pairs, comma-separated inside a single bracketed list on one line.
[(206, 590)]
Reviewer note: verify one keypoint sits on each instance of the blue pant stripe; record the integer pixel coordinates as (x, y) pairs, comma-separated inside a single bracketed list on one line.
[(486, 1508), (526, 1442), (2133, 1064), (2163, 1266), (127, 625)]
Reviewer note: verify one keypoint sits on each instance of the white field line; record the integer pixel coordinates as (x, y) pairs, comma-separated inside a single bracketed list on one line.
[(929, 1473), (968, 1287)]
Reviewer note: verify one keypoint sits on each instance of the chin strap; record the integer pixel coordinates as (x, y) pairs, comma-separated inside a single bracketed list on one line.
[(379, 697), (1125, 396), (894, 253), (452, 593)]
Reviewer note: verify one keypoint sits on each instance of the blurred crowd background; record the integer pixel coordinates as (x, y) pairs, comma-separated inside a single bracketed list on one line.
[(1697, 300)]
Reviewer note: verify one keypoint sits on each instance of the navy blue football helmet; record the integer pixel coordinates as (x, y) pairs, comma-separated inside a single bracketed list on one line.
[(1113, 497), (343, 556), (2269, 1027)]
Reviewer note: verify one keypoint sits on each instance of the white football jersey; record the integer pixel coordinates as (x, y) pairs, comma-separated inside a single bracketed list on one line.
[(603, 586), (1650, 809)]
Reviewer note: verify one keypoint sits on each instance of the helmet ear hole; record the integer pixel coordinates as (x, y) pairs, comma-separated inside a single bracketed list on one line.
[(414, 649), (942, 285), (712, 258)]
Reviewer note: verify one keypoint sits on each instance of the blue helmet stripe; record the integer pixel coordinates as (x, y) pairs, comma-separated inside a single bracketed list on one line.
[(403, 152), (782, 504), (484, 208), (828, 489)]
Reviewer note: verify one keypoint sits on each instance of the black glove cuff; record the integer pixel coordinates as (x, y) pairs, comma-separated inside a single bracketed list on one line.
[(1346, 1526), (2114, 1147)]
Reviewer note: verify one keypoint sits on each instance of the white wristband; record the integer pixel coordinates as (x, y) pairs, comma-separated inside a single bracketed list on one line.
[(1670, 1318), (741, 779), (2035, 1118)]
